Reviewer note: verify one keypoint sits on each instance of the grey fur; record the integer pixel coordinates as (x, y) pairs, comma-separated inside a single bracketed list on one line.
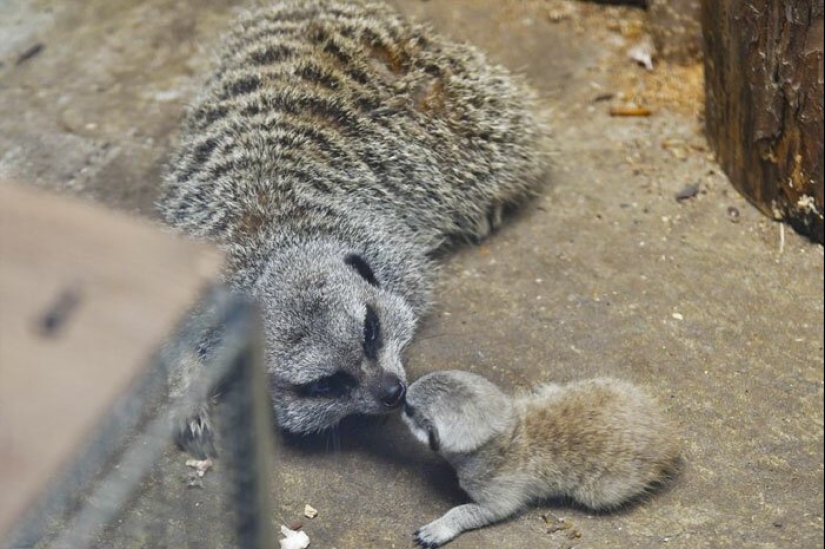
[(334, 130), (600, 442)]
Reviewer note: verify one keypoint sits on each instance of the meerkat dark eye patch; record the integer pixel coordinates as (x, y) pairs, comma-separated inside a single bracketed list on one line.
[(432, 437), (362, 267), (334, 386), (372, 334)]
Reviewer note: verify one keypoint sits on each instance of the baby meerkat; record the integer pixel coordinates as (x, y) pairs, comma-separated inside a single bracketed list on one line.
[(601, 442), (335, 149)]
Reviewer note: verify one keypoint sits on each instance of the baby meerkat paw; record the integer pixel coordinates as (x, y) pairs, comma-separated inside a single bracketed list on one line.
[(435, 534)]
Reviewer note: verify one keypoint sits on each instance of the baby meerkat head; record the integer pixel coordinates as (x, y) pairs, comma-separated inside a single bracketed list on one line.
[(334, 338), (456, 412)]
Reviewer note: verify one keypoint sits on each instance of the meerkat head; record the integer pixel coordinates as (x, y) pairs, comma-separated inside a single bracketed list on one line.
[(334, 338), (456, 412)]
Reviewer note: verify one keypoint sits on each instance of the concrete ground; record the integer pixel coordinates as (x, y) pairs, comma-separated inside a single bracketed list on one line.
[(704, 302)]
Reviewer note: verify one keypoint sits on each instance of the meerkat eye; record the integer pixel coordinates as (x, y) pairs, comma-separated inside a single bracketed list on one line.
[(320, 387), (362, 267), (336, 385), (372, 334)]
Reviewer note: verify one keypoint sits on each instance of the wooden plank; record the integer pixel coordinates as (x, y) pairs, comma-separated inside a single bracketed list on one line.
[(764, 103), (86, 296)]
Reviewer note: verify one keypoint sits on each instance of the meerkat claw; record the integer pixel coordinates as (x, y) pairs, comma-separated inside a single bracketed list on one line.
[(195, 436), (433, 535)]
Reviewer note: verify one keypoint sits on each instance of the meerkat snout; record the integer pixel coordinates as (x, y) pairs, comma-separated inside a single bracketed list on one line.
[(392, 391), (600, 442)]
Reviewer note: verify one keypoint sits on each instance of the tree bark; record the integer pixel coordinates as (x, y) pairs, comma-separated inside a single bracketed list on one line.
[(764, 103)]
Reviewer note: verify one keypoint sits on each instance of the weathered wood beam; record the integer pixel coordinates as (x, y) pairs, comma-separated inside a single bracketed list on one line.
[(764, 103)]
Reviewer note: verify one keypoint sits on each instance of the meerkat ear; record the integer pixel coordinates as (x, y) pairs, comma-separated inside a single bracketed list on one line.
[(360, 264), (476, 424)]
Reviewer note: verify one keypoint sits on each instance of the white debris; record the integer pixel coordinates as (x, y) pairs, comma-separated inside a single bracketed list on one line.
[(293, 539), (643, 52), (678, 316), (807, 204), (310, 511), (200, 466)]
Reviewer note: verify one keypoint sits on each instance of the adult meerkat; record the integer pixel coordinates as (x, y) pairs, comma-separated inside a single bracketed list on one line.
[(334, 150), (600, 442)]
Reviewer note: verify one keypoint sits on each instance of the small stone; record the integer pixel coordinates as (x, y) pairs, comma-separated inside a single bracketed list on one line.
[(678, 316), (200, 466), (689, 191), (310, 512), (643, 53)]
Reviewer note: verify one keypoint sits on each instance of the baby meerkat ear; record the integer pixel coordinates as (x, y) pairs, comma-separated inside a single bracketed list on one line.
[(362, 267), (484, 415)]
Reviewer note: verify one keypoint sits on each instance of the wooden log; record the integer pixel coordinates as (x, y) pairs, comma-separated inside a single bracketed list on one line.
[(764, 103)]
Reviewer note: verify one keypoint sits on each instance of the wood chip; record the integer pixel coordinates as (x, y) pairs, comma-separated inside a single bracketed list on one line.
[(29, 53), (310, 512), (629, 111)]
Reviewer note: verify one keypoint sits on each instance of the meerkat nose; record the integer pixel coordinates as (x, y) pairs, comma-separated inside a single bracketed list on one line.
[(392, 391)]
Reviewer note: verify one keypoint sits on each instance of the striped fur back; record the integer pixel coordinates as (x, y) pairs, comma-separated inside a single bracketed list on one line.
[(327, 113)]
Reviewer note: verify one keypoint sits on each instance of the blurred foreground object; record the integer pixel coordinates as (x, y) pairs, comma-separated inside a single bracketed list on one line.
[(87, 298), (764, 103)]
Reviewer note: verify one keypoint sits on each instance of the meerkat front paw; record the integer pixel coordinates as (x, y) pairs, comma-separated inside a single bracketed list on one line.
[(435, 534), (195, 436)]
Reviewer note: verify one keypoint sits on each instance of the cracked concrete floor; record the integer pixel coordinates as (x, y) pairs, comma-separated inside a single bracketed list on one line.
[(606, 274)]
